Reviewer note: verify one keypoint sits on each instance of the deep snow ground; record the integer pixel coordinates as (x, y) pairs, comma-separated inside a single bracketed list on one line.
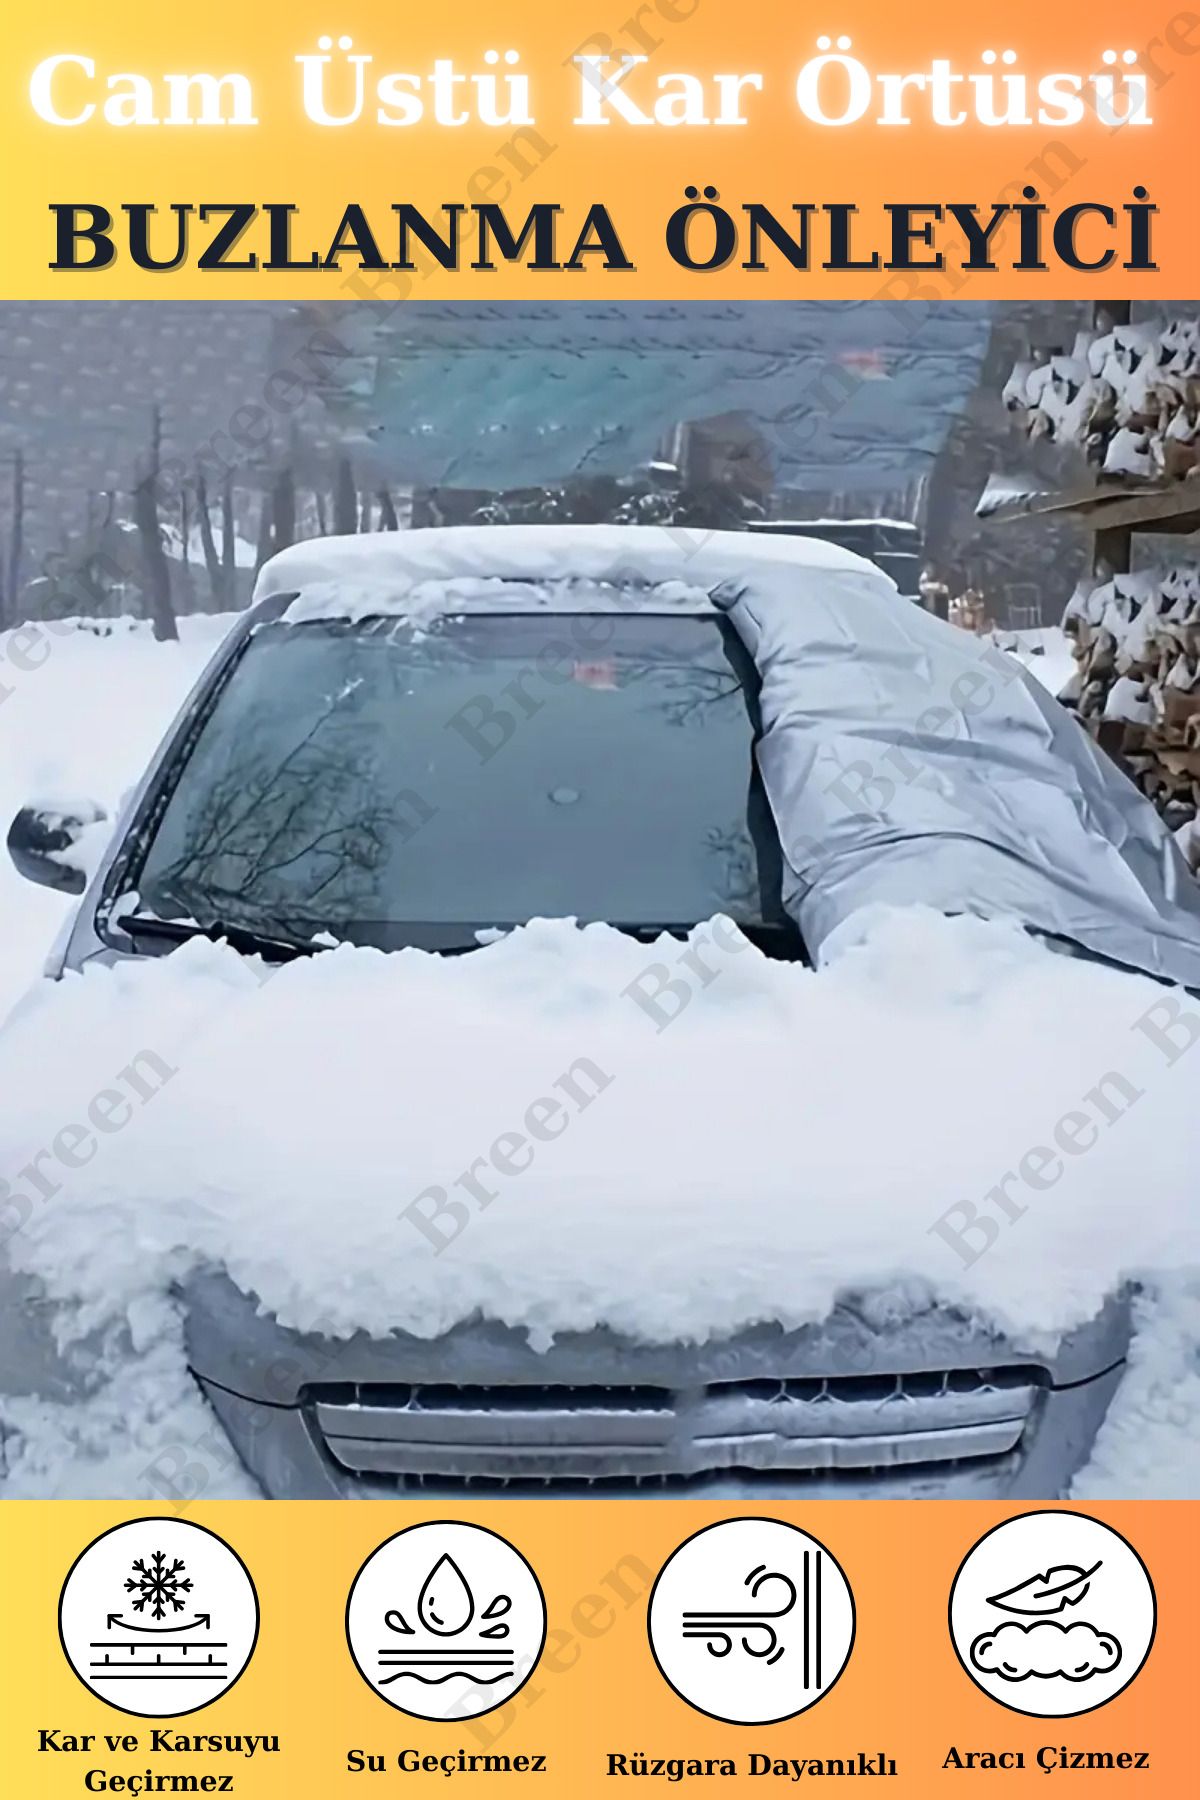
[(81, 724), (80, 713)]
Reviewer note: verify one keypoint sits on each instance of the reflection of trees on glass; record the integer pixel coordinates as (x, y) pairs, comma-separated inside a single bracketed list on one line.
[(687, 693), (736, 880), (690, 690), (305, 797), (307, 825), (728, 504)]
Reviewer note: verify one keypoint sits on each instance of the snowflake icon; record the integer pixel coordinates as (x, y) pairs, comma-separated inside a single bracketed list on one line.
[(158, 1585)]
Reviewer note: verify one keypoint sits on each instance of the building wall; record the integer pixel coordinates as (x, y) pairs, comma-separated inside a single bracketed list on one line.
[(80, 382)]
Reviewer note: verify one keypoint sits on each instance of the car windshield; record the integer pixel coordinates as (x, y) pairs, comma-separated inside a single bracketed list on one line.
[(394, 783)]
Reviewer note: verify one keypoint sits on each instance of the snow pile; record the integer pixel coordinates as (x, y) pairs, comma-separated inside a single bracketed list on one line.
[(82, 705), (1149, 1444), (141, 1432), (1044, 650), (1129, 398), (786, 1136)]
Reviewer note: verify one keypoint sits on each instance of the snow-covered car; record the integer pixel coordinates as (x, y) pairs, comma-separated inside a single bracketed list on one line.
[(536, 714)]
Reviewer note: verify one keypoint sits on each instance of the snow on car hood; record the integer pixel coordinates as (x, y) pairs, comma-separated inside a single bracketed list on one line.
[(674, 1161), (905, 760)]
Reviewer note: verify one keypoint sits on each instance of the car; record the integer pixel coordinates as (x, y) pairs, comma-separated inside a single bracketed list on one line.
[(359, 698)]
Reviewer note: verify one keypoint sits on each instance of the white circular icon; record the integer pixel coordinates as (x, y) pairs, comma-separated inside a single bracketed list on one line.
[(1052, 1614), (446, 1621), (751, 1621), (158, 1617)]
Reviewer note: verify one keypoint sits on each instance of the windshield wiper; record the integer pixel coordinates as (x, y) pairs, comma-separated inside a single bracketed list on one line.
[(240, 937)]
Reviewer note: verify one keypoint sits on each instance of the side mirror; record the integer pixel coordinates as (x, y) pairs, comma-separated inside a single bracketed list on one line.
[(44, 843)]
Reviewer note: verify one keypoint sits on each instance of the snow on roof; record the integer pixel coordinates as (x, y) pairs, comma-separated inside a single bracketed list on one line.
[(343, 576), (834, 521), (449, 596)]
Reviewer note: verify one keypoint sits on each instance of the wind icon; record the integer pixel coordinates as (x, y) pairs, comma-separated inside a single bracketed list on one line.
[(446, 1608)]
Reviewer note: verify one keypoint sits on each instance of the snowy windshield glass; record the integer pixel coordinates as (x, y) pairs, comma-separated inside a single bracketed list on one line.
[(402, 784)]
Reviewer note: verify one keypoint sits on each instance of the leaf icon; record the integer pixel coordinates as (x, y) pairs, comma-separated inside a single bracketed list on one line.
[(1064, 1585)]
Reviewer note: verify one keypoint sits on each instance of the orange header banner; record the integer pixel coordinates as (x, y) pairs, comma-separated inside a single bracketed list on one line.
[(597, 149)]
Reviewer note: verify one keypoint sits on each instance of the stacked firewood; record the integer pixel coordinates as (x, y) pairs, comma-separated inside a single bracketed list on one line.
[(1136, 686), (1129, 398)]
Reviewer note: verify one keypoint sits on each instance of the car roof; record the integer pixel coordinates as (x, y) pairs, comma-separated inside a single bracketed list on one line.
[(529, 567)]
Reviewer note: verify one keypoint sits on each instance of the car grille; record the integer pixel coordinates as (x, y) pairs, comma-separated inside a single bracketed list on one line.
[(597, 1435)]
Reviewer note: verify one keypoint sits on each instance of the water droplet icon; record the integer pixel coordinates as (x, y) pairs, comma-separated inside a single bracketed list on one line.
[(446, 1604)]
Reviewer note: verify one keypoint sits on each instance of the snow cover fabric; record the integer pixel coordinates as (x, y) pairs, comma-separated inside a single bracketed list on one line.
[(905, 766), (905, 761)]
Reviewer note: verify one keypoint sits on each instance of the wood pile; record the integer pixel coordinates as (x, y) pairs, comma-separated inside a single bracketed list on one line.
[(1136, 687), (1129, 398)]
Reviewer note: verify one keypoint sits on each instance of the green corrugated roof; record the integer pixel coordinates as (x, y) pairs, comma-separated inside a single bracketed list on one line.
[(847, 394)]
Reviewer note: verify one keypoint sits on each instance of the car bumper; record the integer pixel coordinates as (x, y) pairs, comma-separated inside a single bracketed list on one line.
[(929, 1406)]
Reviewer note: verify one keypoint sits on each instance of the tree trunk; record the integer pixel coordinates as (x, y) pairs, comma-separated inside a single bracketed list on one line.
[(228, 546), (345, 500), (283, 509), (212, 562), (16, 544), (145, 513), (263, 547), (388, 521), (185, 551)]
